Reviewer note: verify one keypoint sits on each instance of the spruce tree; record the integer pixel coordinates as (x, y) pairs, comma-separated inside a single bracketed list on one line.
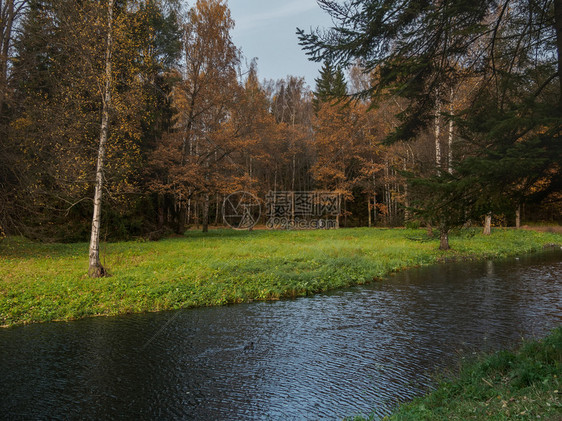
[(508, 133), (330, 85), (339, 85), (323, 84)]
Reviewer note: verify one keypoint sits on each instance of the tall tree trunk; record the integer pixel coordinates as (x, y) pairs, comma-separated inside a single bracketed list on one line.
[(450, 140), (443, 237), (406, 197), (558, 28), (293, 172), (160, 201), (488, 224), (206, 213), (518, 217), (374, 198), (437, 134), (9, 12), (217, 211), (182, 217), (339, 212), (386, 192), (5, 35), (375, 208), (293, 206), (96, 269)]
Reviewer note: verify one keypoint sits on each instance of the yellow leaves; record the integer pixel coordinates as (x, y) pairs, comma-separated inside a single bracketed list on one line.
[(21, 123)]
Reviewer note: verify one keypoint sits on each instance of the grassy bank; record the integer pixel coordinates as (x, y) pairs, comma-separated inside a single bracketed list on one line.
[(522, 385), (44, 282)]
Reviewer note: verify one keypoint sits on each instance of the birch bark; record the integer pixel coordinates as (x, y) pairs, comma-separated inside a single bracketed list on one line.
[(450, 140), (437, 134), (96, 269)]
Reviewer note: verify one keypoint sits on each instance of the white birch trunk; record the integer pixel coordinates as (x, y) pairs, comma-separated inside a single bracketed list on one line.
[(450, 143), (488, 224), (217, 210), (374, 197), (96, 269), (437, 134), (294, 172)]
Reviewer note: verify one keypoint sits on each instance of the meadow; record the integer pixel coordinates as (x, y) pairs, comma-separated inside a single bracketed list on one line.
[(42, 282)]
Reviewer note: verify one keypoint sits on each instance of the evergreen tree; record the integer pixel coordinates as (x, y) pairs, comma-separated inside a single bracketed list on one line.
[(323, 84), (330, 85), (509, 131), (339, 85)]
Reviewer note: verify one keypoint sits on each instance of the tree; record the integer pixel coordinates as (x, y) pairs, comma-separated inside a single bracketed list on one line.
[(57, 103), (292, 108), (511, 128), (330, 85), (10, 13), (10, 17), (96, 269), (190, 159)]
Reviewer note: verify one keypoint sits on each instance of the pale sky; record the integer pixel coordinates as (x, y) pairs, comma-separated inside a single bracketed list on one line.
[(266, 29)]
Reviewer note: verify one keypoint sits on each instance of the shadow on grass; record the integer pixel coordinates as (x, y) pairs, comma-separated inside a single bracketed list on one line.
[(21, 247)]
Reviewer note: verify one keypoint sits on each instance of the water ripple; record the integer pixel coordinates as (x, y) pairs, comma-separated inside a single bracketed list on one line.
[(355, 351)]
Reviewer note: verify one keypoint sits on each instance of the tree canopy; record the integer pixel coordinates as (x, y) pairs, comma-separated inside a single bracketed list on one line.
[(508, 128), (454, 114)]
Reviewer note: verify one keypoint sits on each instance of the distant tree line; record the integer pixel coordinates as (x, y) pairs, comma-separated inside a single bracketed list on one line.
[(440, 113)]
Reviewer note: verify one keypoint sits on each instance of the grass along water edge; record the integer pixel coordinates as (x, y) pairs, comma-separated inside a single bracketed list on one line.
[(46, 282), (524, 384)]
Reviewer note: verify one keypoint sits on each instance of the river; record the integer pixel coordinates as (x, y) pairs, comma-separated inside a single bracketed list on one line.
[(347, 352)]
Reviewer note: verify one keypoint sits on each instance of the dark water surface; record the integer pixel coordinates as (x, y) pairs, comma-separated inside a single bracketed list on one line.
[(324, 357)]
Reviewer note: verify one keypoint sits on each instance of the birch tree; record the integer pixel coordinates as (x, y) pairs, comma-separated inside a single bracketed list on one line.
[(96, 269)]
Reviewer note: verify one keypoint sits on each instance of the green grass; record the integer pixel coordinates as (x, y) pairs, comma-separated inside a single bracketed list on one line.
[(45, 282), (521, 385)]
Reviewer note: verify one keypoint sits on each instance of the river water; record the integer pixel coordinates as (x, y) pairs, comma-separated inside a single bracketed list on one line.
[(333, 355)]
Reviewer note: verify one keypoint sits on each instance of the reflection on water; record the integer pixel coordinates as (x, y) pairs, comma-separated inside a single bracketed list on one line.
[(324, 357)]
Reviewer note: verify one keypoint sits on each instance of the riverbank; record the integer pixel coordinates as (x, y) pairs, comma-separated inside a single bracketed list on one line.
[(47, 282), (522, 385)]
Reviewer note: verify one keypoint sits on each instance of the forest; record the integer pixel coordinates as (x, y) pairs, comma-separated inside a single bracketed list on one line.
[(432, 136), (143, 115)]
